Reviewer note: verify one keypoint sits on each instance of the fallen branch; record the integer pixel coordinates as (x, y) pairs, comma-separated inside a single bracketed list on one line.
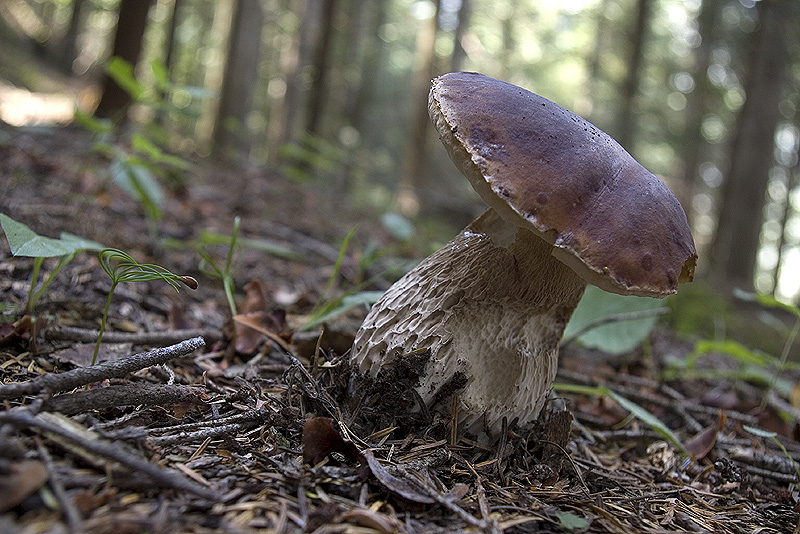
[(123, 395), (86, 335), (53, 383), (22, 418)]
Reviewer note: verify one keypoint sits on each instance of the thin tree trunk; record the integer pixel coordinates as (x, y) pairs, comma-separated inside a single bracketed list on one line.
[(414, 154), (69, 43), (169, 56), (697, 105), (231, 137), (370, 68), (626, 124), (736, 242), (131, 23), (321, 62), (459, 54)]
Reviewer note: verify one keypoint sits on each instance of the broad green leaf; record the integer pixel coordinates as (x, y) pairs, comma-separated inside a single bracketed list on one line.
[(637, 411), (616, 337), (81, 243), (121, 71), (398, 225), (25, 242), (93, 124), (137, 180), (571, 521)]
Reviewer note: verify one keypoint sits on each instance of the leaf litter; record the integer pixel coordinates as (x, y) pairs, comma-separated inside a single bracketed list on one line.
[(282, 436)]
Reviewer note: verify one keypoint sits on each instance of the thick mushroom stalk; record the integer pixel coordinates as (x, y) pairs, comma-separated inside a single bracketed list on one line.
[(492, 305)]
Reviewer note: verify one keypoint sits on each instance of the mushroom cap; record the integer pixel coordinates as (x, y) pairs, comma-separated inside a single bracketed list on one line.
[(546, 169)]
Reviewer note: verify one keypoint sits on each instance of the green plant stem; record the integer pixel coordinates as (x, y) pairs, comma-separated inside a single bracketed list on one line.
[(103, 321), (787, 347), (37, 265)]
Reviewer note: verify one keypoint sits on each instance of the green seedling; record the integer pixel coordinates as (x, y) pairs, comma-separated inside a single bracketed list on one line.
[(225, 273), (25, 242), (637, 411), (120, 267), (328, 306)]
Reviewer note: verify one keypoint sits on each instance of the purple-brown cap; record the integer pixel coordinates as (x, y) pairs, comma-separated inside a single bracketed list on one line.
[(546, 169)]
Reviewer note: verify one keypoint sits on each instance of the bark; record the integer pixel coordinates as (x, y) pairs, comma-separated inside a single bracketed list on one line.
[(370, 68), (698, 103), (626, 124), (736, 242), (321, 64), (459, 54), (69, 43), (131, 24), (231, 138), (414, 154)]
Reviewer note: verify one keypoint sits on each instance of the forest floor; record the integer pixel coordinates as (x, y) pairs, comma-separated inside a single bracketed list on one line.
[(259, 431)]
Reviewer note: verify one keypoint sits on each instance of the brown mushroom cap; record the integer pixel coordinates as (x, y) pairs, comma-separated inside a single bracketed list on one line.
[(546, 169)]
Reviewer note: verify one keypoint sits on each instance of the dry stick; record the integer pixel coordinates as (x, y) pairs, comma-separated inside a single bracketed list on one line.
[(614, 318), (112, 451), (136, 394), (71, 513), (213, 432), (54, 383), (85, 335)]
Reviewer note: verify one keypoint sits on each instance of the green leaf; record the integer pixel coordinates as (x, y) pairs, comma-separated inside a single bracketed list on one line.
[(25, 242), (93, 124), (637, 411), (362, 298), (731, 348), (616, 337), (398, 225), (81, 243), (571, 521), (768, 301), (137, 180), (121, 71), (759, 432)]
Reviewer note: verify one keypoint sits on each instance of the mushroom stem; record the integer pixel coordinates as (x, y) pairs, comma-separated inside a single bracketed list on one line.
[(491, 304)]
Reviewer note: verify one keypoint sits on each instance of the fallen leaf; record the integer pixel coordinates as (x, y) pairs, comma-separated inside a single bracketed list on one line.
[(256, 320), (320, 438), (374, 520), (702, 443), (398, 485), (23, 479)]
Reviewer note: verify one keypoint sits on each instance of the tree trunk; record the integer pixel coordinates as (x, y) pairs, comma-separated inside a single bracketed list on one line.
[(231, 137), (69, 43), (736, 242), (321, 64), (626, 124), (697, 105), (414, 156), (459, 54), (370, 67), (131, 24)]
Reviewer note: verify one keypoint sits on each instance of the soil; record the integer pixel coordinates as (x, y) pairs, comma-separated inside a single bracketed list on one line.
[(269, 429)]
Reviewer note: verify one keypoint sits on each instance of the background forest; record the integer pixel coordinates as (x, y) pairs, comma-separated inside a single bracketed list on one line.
[(704, 93)]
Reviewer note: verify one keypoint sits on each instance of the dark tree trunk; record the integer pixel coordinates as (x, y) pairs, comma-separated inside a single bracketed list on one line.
[(69, 43), (231, 138), (131, 24), (626, 124), (370, 67), (321, 63), (736, 242)]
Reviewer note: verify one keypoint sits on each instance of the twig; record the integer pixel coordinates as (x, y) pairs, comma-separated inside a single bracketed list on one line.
[(613, 318), (189, 437), (122, 395), (22, 418), (86, 335), (54, 383), (71, 513)]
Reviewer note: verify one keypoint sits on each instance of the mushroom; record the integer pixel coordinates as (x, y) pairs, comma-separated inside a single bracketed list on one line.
[(567, 205)]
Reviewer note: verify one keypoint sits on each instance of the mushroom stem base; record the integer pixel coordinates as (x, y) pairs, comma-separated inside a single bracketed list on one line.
[(491, 304)]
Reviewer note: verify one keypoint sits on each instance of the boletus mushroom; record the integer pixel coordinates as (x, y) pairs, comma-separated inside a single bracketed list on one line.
[(567, 205)]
